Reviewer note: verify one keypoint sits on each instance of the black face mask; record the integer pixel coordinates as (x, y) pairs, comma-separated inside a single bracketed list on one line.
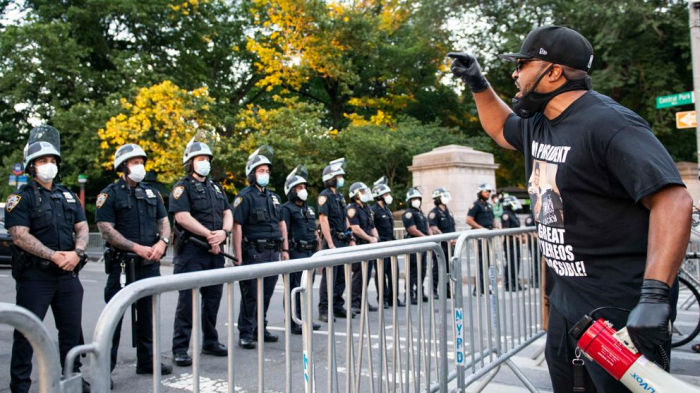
[(532, 102)]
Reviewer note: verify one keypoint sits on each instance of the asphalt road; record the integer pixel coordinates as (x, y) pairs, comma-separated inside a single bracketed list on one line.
[(214, 369)]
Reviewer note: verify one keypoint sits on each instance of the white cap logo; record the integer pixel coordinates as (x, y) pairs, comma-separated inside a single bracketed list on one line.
[(542, 51), (590, 62)]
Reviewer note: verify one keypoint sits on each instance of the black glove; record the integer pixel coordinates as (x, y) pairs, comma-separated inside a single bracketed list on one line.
[(467, 68), (648, 323)]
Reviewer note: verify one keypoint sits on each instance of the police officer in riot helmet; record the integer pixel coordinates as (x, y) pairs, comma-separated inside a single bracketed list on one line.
[(480, 216), (511, 245), (362, 224), (202, 212), (49, 230), (336, 232), (260, 236), (384, 223), (134, 223), (416, 225), (441, 220), (300, 220)]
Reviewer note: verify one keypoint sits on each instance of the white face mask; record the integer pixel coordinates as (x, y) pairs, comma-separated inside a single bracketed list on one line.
[(46, 172), (388, 199), (303, 194), (415, 203), (445, 200), (202, 168), (137, 173), (364, 197)]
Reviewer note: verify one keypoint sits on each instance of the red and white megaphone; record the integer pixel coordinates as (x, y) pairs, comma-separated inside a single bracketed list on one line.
[(614, 351)]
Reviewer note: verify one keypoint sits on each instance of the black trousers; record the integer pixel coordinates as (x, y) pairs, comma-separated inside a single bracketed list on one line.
[(144, 313), (559, 352), (37, 290), (295, 278), (193, 258), (483, 250), (385, 281), (357, 281), (436, 274), (414, 285), (248, 315), (511, 251), (338, 284)]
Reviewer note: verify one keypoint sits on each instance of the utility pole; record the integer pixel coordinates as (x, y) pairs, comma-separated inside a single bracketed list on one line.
[(694, 9)]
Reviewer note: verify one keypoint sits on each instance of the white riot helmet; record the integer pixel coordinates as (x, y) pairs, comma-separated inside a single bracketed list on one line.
[(442, 194), (262, 156), (194, 149), (380, 188), (43, 141), (413, 193), (484, 187), (512, 202), (126, 152), (296, 177), (357, 189), (334, 169)]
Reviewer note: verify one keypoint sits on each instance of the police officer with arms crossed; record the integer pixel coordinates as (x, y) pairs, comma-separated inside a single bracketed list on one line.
[(416, 225), (384, 222), (336, 232), (259, 235), (605, 159), (201, 211), (511, 246), (441, 220), (300, 220), (49, 230), (480, 216), (362, 225), (133, 221)]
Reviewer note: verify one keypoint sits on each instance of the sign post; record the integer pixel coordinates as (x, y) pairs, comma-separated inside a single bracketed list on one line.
[(82, 179), (694, 10)]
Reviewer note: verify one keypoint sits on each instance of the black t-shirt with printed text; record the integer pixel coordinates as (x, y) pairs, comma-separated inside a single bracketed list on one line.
[(588, 169)]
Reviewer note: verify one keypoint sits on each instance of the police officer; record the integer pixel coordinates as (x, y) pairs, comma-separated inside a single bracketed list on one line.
[(202, 211), (336, 232), (362, 225), (49, 230), (441, 220), (384, 222), (416, 225), (300, 220), (480, 216), (511, 247), (133, 221), (260, 235)]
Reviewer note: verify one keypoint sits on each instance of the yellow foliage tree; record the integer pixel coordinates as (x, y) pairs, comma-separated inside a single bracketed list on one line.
[(161, 119)]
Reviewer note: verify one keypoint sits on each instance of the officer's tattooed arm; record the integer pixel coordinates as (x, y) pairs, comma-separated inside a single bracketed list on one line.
[(113, 237), (82, 234), (163, 228), (27, 242)]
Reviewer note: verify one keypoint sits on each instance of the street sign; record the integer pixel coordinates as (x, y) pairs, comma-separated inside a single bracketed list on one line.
[(17, 169), (668, 101), (13, 180), (686, 120), (82, 179), (21, 180)]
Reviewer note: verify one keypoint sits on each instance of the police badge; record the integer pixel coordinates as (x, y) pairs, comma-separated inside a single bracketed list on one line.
[(321, 200), (12, 201), (101, 199)]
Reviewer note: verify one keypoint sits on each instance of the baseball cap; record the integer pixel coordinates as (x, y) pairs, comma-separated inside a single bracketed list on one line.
[(555, 44)]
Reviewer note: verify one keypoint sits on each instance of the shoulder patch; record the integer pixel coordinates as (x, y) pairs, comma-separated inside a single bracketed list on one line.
[(322, 200), (351, 212), (12, 201), (237, 202), (101, 199), (504, 216), (177, 191), (409, 215), (431, 215), (149, 193)]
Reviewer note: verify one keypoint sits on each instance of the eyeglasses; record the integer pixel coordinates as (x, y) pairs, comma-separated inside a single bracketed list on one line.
[(520, 63)]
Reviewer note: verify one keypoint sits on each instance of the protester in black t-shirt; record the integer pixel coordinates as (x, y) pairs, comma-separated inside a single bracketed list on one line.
[(615, 216)]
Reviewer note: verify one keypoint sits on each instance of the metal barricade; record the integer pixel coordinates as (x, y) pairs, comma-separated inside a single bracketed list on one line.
[(424, 364), (494, 323), (45, 349)]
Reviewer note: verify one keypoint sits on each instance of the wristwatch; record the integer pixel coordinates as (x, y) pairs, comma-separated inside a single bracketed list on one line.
[(80, 252), (228, 233), (166, 241)]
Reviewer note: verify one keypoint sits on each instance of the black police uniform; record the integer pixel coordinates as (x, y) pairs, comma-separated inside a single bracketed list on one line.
[(384, 222), (413, 216), (445, 222), (259, 214), (482, 212), (332, 205), (301, 235), (135, 212), (206, 202), (362, 216), (511, 249), (50, 216)]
